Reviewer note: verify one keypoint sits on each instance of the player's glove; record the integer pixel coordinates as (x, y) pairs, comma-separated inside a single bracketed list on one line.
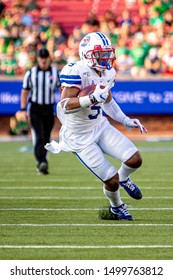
[(100, 94), (134, 123)]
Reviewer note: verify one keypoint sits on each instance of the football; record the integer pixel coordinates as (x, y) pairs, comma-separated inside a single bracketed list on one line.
[(87, 90)]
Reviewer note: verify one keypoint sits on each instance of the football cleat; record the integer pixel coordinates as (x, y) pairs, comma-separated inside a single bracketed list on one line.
[(131, 189), (121, 212)]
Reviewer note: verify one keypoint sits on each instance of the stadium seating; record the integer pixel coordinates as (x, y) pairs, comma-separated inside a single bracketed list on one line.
[(68, 13), (71, 13)]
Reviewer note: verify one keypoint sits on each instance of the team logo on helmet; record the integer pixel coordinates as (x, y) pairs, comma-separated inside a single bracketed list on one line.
[(85, 41)]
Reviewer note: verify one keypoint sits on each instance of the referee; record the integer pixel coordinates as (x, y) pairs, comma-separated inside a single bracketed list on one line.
[(38, 91)]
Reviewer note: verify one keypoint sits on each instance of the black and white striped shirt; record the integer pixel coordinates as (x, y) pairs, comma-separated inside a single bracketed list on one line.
[(42, 84)]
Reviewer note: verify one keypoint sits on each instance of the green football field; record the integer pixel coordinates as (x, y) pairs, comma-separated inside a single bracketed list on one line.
[(55, 217)]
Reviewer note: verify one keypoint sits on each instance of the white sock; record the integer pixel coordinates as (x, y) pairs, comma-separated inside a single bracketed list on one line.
[(114, 197), (125, 171)]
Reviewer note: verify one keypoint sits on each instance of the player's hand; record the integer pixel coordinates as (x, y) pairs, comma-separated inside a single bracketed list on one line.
[(134, 123), (100, 94)]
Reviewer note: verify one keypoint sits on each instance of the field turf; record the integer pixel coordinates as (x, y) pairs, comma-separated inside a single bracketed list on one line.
[(55, 216)]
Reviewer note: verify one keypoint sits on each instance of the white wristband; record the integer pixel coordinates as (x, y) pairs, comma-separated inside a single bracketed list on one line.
[(84, 101)]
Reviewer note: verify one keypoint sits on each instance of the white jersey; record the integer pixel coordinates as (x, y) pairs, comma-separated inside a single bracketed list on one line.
[(80, 76), (87, 133)]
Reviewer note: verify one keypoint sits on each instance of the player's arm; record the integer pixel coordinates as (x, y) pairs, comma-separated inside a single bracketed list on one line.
[(71, 102), (69, 99), (111, 108)]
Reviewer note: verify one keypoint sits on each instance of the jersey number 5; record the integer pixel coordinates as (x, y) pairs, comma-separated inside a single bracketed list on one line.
[(94, 116)]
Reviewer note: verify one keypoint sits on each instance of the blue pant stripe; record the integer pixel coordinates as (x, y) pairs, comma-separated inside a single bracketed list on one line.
[(87, 166)]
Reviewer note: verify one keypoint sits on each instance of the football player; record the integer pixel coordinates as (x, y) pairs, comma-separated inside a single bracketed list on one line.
[(86, 131)]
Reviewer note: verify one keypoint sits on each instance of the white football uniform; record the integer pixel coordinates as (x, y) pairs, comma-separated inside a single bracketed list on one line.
[(87, 132)]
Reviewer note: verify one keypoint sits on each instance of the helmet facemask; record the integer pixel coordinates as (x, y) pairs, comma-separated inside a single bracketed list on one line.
[(100, 58)]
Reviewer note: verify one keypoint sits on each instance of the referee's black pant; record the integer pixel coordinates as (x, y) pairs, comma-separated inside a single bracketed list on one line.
[(42, 121)]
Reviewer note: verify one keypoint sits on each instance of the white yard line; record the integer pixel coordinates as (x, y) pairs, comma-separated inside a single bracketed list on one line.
[(86, 247), (80, 209), (74, 198), (51, 188), (86, 225), (73, 188), (158, 180)]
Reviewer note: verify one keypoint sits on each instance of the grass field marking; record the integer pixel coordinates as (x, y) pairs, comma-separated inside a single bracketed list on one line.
[(86, 225), (73, 188), (49, 188), (156, 149), (86, 247), (73, 198), (41, 180), (80, 209)]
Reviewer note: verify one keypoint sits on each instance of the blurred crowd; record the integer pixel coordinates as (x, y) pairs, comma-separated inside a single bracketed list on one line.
[(143, 37)]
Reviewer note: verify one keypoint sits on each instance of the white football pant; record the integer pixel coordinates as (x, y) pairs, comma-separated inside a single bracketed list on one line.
[(110, 142)]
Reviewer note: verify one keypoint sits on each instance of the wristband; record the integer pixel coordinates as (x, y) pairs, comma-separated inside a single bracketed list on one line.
[(85, 101), (23, 109)]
